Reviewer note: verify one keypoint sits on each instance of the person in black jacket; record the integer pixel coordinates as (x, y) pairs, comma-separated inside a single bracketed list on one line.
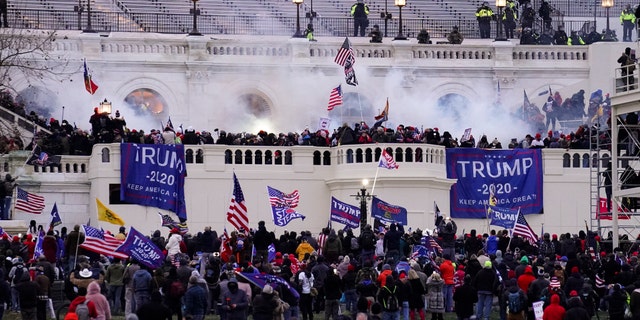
[(617, 300), (387, 293), (464, 297), (264, 304), (332, 294), (154, 309), (485, 282)]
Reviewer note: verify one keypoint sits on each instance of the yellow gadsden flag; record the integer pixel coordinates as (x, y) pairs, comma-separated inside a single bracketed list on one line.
[(105, 214)]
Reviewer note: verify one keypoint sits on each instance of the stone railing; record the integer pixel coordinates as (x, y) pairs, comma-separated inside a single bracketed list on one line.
[(303, 51)]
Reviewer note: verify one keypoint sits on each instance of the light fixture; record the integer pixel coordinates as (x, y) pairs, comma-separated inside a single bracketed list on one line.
[(607, 4), (196, 13), (400, 4), (298, 34), (105, 107), (500, 4)]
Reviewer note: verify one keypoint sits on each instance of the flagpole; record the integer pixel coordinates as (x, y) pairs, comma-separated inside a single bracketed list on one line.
[(375, 178), (512, 229), (360, 104)]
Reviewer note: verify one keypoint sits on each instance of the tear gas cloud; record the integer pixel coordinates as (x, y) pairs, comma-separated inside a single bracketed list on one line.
[(412, 103)]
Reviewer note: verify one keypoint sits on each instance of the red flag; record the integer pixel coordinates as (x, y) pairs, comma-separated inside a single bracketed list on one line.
[(89, 85)]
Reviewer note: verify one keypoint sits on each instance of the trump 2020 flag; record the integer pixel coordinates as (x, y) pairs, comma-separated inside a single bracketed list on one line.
[(282, 205), (138, 246), (344, 213), (38, 251), (388, 213), (503, 217), (386, 161)]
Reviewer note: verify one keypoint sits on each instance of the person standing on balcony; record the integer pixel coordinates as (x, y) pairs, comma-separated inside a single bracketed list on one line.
[(628, 22), (628, 66), (509, 18), (545, 13), (360, 13), (484, 14)]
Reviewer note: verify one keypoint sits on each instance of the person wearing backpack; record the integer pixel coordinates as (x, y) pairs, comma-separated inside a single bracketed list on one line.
[(367, 244), (515, 300), (81, 308), (388, 297), (15, 274)]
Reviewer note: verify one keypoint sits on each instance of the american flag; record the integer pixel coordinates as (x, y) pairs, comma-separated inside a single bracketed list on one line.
[(278, 198), (168, 222), (98, 241), (29, 202), (335, 98), (345, 53), (431, 244), (522, 228), (237, 213)]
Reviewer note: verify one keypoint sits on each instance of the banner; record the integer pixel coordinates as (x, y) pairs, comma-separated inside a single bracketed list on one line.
[(605, 213), (503, 217), (515, 177), (137, 246), (345, 213), (388, 213), (153, 175)]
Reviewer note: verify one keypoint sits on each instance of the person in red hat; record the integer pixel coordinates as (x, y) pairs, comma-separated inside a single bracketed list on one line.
[(537, 142)]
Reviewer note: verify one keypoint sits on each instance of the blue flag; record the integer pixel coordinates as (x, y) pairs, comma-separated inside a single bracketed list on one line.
[(274, 281), (282, 205), (153, 175), (272, 252), (389, 213), (503, 217), (345, 213), (38, 251), (419, 251), (55, 216), (137, 246)]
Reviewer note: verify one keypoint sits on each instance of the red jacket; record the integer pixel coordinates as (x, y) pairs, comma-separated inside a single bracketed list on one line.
[(447, 270), (554, 311), (525, 279), (80, 299)]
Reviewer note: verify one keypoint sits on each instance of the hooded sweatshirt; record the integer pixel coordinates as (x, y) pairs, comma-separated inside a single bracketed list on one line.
[(554, 311), (99, 300)]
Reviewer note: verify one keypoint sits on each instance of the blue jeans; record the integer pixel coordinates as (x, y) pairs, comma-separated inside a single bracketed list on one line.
[(447, 292), (387, 315), (15, 299), (292, 312), (351, 297), (115, 292), (405, 310), (483, 308)]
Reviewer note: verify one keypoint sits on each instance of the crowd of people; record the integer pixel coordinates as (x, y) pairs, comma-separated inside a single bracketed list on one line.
[(378, 274), (67, 139)]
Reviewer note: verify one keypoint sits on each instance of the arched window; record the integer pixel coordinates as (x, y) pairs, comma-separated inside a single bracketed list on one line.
[(368, 155), (358, 155), (576, 161), (258, 157), (566, 160), (418, 154), (278, 156), (106, 157), (227, 157), (188, 157), (145, 101), (408, 155), (326, 158), (398, 156), (288, 157), (200, 156), (248, 157), (316, 158), (268, 157), (238, 159)]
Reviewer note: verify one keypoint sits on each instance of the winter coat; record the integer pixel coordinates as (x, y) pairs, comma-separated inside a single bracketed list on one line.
[(417, 290), (99, 300), (435, 297), (464, 298)]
